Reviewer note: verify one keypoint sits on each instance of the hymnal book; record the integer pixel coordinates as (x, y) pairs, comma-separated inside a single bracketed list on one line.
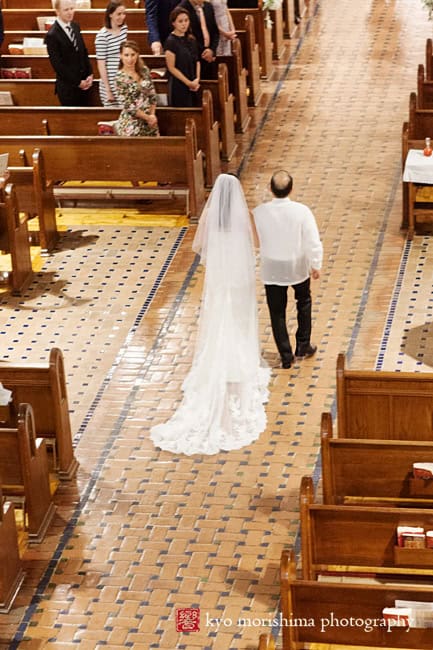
[(6, 98), (423, 470), (421, 612), (411, 536), (397, 616), (107, 128), (158, 73), (4, 160)]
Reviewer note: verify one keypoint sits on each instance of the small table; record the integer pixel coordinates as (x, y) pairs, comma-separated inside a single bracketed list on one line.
[(418, 169)]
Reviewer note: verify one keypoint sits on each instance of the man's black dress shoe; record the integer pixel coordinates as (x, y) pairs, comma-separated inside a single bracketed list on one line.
[(287, 363), (305, 352)]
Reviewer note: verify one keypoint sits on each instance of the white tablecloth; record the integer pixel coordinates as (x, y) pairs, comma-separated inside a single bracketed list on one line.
[(418, 168)]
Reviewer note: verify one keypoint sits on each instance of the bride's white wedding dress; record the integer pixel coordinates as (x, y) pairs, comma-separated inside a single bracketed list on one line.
[(226, 388)]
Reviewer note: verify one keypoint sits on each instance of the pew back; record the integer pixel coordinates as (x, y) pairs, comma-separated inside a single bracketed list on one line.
[(44, 387), (173, 161), (373, 471), (14, 239), (359, 539), (388, 405), (24, 472), (344, 613)]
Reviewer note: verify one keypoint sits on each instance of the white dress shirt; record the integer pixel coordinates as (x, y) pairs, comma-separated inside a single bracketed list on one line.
[(290, 246)]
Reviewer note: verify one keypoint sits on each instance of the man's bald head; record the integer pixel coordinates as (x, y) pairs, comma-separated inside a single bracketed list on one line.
[(281, 184)]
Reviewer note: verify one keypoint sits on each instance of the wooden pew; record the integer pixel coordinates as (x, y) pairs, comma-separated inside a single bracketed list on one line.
[(250, 54), (36, 198), (266, 642), (418, 127), (43, 120), (173, 161), (289, 18), (262, 32), (17, 18), (43, 386), (24, 472), (361, 539), (40, 92), (140, 36), (373, 472), (429, 59), (11, 569), (237, 76), (384, 405), (424, 93), (14, 239), (344, 613)]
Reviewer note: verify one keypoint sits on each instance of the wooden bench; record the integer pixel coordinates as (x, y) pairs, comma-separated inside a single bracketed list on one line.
[(250, 54), (35, 197), (40, 92), (262, 32), (17, 36), (11, 569), (174, 161), (418, 127), (237, 77), (388, 405), (429, 59), (266, 642), (14, 239), (26, 120), (345, 614), (359, 539), (17, 18), (289, 18), (24, 472), (424, 93), (373, 472), (43, 386)]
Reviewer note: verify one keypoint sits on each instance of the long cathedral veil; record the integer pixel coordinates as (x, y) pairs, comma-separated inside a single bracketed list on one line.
[(226, 387)]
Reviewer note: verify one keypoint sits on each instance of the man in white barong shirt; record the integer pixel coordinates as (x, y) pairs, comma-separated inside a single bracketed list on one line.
[(290, 253)]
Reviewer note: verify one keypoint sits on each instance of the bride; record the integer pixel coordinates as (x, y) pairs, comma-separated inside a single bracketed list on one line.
[(225, 390)]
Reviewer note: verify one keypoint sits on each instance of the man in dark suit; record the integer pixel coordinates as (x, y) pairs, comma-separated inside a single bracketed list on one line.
[(69, 57), (158, 22), (1, 27), (207, 35)]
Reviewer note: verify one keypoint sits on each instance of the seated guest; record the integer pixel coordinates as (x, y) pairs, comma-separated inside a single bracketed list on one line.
[(69, 57), (158, 22), (183, 64), (205, 29), (107, 47), (136, 94)]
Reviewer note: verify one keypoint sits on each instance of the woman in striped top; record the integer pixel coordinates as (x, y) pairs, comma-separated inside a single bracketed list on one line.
[(107, 46)]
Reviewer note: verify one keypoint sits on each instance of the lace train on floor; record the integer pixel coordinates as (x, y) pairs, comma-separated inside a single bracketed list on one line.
[(230, 416)]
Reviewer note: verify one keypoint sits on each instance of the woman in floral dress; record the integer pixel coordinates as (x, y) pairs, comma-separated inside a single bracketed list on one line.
[(136, 93)]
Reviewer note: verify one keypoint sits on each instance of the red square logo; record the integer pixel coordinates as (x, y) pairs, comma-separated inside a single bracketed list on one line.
[(188, 619)]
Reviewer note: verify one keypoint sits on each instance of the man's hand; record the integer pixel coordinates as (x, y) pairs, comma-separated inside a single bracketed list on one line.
[(85, 84), (208, 55), (156, 48), (315, 274)]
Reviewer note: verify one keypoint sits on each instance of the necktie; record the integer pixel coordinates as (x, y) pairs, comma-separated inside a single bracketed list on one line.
[(72, 36), (206, 37)]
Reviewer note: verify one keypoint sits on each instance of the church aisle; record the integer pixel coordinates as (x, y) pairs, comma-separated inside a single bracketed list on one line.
[(142, 533)]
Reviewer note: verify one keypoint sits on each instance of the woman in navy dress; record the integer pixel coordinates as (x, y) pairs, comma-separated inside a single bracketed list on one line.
[(183, 63)]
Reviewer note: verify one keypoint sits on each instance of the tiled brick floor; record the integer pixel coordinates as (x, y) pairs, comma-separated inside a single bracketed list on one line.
[(142, 533)]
